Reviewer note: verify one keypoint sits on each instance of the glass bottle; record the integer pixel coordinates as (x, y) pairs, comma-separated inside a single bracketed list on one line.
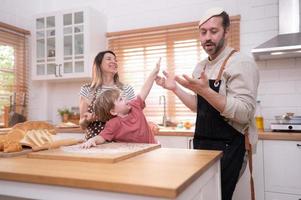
[(258, 117)]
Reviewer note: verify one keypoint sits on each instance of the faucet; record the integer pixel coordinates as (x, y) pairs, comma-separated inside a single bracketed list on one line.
[(164, 119)]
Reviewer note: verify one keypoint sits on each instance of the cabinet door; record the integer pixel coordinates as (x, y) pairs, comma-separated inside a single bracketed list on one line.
[(73, 44), (282, 166), (59, 46), (45, 45), (66, 42), (278, 196)]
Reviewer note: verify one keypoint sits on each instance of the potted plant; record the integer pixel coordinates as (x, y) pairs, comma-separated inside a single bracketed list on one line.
[(64, 113)]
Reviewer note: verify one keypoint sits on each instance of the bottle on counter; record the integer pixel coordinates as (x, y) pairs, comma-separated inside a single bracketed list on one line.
[(259, 117)]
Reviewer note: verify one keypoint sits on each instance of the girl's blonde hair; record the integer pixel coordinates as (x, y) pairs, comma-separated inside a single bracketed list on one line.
[(105, 103), (97, 72)]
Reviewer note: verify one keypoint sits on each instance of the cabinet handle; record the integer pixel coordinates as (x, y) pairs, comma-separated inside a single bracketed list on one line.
[(60, 70), (55, 71), (189, 143), (299, 145)]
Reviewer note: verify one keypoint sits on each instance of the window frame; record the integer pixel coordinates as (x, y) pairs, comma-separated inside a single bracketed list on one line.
[(17, 38)]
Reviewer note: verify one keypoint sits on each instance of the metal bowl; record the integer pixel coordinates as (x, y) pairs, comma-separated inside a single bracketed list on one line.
[(288, 118), (281, 120)]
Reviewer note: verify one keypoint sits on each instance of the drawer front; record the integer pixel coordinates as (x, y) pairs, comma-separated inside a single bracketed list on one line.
[(279, 196)]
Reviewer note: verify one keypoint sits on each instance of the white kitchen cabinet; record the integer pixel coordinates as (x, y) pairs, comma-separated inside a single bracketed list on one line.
[(66, 42), (183, 142), (279, 196), (282, 169)]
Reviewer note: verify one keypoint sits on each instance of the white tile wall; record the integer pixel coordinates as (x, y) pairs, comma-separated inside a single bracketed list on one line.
[(63, 100), (279, 90), (280, 87)]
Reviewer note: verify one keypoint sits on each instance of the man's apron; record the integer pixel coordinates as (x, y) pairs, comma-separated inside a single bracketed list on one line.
[(213, 132)]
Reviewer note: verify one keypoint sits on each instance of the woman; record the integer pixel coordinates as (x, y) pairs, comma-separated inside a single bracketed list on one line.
[(104, 77)]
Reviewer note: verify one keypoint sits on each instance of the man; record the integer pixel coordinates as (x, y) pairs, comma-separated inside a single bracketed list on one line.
[(226, 90)]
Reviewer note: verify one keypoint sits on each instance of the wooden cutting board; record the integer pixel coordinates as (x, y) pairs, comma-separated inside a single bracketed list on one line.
[(14, 154), (108, 153)]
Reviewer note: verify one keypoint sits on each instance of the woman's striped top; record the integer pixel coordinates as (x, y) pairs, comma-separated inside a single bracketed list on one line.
[(88, 93)]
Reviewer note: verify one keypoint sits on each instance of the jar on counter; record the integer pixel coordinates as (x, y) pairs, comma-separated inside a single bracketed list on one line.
[(180, 125)]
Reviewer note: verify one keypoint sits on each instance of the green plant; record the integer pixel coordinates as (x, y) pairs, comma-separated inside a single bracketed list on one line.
[(64, 111)]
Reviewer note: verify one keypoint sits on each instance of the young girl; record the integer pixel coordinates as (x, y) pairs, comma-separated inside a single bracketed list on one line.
[(125, 120)]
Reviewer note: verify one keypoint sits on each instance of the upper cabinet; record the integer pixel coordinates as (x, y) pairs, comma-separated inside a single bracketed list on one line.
[(65, 44)]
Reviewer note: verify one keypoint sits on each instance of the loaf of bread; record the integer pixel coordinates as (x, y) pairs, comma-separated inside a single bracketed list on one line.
[(37, 138), (35, 125), (11, 146), (2, 141), (11, 142)]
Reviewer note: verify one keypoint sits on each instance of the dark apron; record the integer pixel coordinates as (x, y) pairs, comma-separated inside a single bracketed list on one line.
[(213, 132)]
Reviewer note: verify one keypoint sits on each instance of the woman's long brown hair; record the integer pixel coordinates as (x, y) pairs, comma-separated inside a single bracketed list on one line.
[(96, 73)]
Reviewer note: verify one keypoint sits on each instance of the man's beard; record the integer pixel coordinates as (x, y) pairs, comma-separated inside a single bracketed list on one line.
[(216, 47)]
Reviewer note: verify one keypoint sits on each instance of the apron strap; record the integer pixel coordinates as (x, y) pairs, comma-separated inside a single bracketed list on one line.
[(249, 152), (219, 76), (91, 106)]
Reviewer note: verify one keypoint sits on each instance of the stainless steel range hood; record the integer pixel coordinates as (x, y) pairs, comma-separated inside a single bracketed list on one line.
[(288, 43)]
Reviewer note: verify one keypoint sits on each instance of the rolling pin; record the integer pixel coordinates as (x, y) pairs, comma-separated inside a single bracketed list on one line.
[(57, 144)]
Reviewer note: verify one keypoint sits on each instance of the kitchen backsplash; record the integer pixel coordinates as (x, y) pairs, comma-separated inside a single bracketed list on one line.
[(49, 97), (280, 87)]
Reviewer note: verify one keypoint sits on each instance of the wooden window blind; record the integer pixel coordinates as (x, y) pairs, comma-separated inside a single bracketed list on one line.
[(13, 70), (180, 49)]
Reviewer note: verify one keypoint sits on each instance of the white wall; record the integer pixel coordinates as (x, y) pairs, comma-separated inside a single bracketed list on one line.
[(280, 87), (280, 80)]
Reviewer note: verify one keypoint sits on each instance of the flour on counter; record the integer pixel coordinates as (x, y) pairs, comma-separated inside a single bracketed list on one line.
[(107, 148)]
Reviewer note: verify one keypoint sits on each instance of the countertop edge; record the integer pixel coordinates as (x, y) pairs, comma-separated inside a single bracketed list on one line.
[(262, 135)]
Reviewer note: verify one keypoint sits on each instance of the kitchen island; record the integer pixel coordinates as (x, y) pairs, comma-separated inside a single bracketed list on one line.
[(159, 174)]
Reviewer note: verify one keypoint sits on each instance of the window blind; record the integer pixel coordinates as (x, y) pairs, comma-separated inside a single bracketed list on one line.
[(180, 50), (13, 70)]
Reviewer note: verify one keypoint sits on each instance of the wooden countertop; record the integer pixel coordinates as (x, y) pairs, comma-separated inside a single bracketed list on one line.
[(269, 135), (262, 135), (161, 172)]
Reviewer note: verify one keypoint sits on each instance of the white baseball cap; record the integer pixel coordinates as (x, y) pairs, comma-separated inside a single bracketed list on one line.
[(210, 13)]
